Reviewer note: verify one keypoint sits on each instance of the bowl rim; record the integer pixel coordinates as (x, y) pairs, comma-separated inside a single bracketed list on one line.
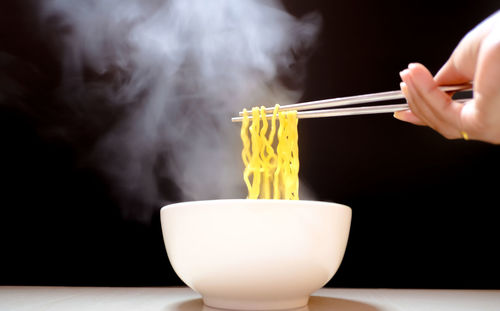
[(193, 203)]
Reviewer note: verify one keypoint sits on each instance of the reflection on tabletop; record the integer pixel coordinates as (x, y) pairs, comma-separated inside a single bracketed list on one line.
[(316, 303)]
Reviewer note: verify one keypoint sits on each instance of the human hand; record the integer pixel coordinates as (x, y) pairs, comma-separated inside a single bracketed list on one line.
[(477, 59)]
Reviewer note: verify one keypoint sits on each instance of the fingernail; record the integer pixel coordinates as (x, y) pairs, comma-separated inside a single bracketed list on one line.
[(412, 65), (404, 73), (404, 88), (397, 115)]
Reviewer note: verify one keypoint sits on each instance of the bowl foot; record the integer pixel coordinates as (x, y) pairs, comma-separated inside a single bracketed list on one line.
[(239, 304)]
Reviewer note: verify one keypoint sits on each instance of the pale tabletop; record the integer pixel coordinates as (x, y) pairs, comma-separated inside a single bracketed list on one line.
[(17, 298)]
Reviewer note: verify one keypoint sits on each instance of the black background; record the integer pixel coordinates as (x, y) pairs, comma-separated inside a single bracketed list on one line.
[(425, 209)]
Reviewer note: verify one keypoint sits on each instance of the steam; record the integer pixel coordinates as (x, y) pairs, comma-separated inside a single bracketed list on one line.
[(170, 74)]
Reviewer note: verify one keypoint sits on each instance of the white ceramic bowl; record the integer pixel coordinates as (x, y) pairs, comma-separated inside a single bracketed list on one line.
[(255, 254)]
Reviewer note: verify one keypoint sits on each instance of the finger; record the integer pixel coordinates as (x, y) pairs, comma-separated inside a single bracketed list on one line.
[(408, 116), (440, 112), (417, 107)]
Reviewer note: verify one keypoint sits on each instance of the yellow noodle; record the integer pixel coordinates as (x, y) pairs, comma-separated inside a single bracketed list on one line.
[(255, 161), (293, 161), (265, 165), (245, 153), (278, 173)]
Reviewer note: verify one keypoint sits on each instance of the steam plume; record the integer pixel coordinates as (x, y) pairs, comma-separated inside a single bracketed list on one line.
[(171, 74)]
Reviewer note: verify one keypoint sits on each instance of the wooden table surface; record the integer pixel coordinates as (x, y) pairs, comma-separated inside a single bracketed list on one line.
[(23, 298)]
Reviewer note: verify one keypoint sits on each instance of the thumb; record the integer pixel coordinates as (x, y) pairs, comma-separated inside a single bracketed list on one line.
[(461, 66), (451, 74)]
